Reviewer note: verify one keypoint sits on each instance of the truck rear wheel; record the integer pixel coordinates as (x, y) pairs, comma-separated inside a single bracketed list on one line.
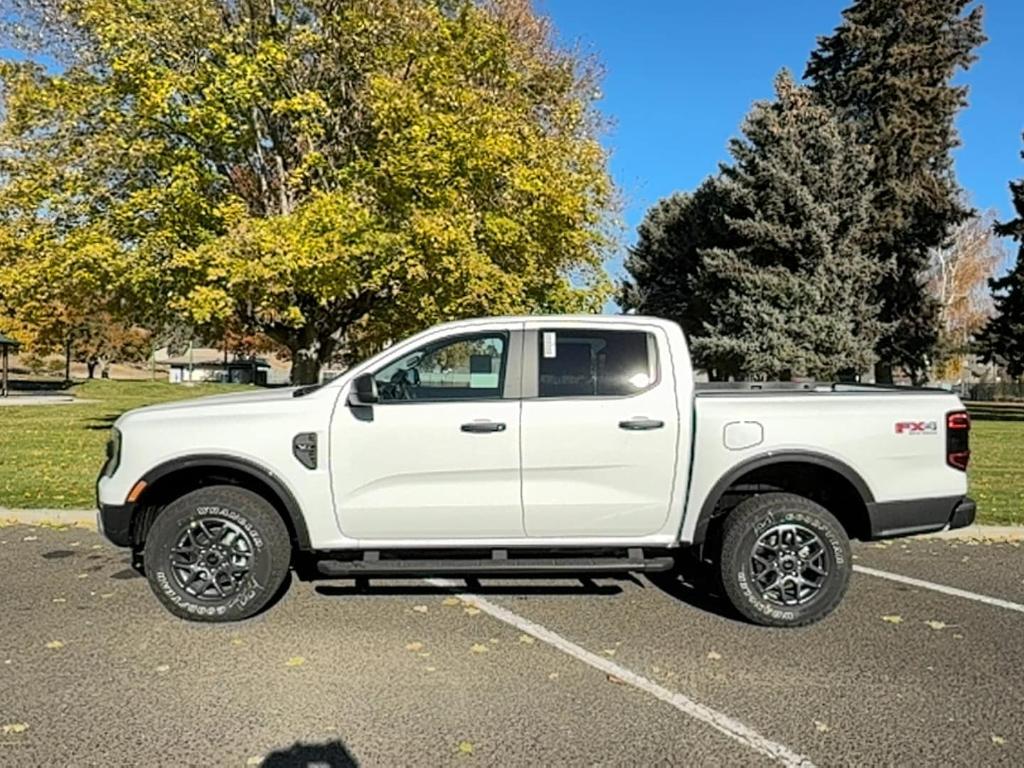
[(219, 553), (785, 560)]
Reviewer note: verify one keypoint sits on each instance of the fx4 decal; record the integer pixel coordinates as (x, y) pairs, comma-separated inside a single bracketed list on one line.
[(917, 427)]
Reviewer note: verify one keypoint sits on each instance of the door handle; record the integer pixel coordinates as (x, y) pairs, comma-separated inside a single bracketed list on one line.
[(483, 426), (641, 424)]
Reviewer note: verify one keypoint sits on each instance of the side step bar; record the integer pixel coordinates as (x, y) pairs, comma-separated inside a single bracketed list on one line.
[(498, 565)]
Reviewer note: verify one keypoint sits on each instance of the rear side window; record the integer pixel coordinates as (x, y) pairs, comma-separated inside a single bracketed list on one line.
[(585, 363)]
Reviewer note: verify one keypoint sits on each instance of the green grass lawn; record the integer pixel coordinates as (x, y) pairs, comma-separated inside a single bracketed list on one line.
[(50, 454), (997, 464)]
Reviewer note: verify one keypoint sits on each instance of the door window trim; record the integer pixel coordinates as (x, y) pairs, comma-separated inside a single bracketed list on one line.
[(531, 362), (509, 387)]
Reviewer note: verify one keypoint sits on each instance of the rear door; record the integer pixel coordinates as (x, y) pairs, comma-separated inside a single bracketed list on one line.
[(600, 426)]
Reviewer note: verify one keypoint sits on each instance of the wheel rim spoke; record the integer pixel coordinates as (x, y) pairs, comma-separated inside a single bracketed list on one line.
[(211, 558), (789, 564)]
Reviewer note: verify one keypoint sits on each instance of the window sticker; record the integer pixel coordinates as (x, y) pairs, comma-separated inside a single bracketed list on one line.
[(550, 345)]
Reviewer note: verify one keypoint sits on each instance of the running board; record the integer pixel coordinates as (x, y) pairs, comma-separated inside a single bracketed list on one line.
[(499, 564)]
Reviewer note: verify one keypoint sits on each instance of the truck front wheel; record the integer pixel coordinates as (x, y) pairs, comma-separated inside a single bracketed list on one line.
[(219, 553), (785, 560)]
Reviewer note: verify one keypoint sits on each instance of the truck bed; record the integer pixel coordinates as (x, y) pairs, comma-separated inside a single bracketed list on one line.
[(733, 388)]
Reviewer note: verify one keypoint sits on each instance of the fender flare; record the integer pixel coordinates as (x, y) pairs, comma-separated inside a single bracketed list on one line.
[(258, 472), (769, 459)]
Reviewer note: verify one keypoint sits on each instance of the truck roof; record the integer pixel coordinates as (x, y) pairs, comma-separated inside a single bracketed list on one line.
[(581, 317)]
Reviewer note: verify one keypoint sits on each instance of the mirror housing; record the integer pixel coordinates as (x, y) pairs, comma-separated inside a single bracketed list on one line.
[(363, 390)]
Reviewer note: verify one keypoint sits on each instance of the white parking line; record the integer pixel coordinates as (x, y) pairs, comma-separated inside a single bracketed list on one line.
[(941, 588), (717, 720)]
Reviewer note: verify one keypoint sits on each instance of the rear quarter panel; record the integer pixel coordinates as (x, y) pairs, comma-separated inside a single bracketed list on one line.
[(858, 430)]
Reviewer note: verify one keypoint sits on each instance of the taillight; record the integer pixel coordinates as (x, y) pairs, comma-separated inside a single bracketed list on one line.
[(958, 432)]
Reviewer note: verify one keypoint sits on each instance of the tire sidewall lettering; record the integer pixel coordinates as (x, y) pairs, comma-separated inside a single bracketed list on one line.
[(235, 517)]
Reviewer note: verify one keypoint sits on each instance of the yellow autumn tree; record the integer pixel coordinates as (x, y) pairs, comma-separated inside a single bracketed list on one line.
[(958, 280), (330, 174)]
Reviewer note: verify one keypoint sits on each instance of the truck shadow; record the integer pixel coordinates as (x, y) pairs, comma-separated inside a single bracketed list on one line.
[(695, 587), (583, 586), (689, 584)]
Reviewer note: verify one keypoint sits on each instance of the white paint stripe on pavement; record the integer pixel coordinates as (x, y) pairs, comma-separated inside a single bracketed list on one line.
[(940, 588), (717, 720)]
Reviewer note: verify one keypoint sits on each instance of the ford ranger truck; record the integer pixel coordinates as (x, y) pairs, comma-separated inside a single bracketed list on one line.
[(530, 446)]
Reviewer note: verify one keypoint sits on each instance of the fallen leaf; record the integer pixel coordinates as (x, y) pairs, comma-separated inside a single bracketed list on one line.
[(552, 676), (423, 654), (957, 636), (163, 668), (893, 619), (998, 740), (822, 727), (14, 728), (479, 648), (420, 608), (83, 575), (255, 760), (414, 646), (450, 601), (431, 669), (31, 538), (937, 624), (714, 655), (59, 600), (105, 595), (54, 644), (471, 610), (465, 748), (608, 651), (295, 661), (236, 641), (528, 639)]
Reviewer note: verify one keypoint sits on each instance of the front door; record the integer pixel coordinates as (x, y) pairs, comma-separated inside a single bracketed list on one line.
[(600, 424), (438, 456)]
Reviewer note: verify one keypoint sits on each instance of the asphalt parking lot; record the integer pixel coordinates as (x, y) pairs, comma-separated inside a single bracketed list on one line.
[(93, 672)]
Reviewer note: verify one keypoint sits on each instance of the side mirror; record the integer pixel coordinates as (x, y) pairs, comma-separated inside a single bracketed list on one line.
[(364, 390)]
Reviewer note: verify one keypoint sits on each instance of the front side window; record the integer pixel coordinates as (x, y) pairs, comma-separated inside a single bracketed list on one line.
[(578, 363), (464, 368)]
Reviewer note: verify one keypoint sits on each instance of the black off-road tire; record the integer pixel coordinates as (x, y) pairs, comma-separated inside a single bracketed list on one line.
[(744, 527), (244, 515)]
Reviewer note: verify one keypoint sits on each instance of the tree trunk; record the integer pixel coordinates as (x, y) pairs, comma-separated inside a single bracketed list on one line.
[(883, 373), (67, 359), (90, 366), (305, 367)]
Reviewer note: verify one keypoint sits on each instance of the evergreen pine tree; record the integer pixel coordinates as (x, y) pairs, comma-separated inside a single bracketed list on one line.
[(887, 69), (1003, 338), (788, 289), (665, 264)]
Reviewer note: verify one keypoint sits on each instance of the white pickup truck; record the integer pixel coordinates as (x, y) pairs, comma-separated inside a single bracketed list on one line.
[(548, 445)]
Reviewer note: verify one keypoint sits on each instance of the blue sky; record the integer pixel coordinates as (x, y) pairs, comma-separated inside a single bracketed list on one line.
[(681, 75)]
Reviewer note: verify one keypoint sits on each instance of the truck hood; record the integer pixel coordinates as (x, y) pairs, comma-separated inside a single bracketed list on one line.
[(216, 405)]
